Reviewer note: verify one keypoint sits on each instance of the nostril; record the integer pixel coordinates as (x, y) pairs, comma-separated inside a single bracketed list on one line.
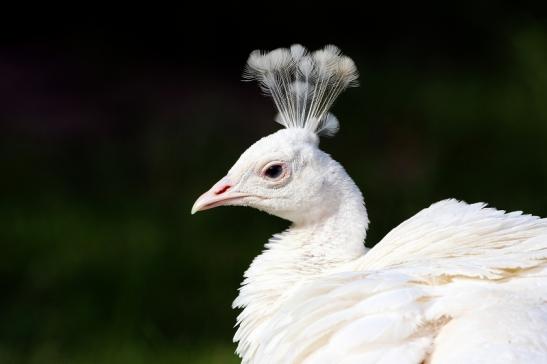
[(222, 189)]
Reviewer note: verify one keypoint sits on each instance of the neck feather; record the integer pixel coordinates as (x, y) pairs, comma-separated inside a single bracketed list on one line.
[(308, 249)]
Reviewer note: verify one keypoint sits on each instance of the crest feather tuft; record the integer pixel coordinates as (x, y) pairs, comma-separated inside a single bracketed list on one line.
[(303, 86)]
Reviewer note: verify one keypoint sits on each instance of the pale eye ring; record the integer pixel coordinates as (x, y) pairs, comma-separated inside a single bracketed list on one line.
[(274, 171)]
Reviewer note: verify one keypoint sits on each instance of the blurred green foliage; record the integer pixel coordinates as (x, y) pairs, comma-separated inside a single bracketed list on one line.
[(102, 262)]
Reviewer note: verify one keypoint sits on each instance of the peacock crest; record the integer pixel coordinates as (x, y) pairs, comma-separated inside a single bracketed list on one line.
[(303, 85)]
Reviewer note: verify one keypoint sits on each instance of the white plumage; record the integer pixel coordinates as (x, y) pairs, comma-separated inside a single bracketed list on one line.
[(456, 283)]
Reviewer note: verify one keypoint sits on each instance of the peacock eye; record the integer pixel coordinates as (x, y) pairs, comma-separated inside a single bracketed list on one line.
[(274, 171)]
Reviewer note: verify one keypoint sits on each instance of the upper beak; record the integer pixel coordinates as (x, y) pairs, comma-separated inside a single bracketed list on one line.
[(220, 194)]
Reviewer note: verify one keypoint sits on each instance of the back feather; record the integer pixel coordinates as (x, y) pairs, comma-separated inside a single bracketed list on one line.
[(303, 86)]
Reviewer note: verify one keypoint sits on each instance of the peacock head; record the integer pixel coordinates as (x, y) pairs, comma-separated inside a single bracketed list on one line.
[(285, 173)]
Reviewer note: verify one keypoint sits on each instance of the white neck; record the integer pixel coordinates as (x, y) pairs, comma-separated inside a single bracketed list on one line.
[(304, 251)]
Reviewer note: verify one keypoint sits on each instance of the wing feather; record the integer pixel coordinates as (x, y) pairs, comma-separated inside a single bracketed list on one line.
[(433, 290)]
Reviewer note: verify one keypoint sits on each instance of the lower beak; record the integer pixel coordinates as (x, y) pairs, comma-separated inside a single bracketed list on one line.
[(220, 194)]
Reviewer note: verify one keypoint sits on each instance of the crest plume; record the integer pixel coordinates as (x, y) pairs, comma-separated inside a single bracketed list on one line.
[(303, 85)]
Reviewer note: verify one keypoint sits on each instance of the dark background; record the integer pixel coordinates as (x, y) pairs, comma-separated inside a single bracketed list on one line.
[(112, 122)]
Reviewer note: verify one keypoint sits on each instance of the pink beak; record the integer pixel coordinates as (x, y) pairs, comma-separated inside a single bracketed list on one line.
[(220, 194)]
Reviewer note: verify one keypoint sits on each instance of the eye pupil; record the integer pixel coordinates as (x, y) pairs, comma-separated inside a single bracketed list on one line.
[(274, 171)]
